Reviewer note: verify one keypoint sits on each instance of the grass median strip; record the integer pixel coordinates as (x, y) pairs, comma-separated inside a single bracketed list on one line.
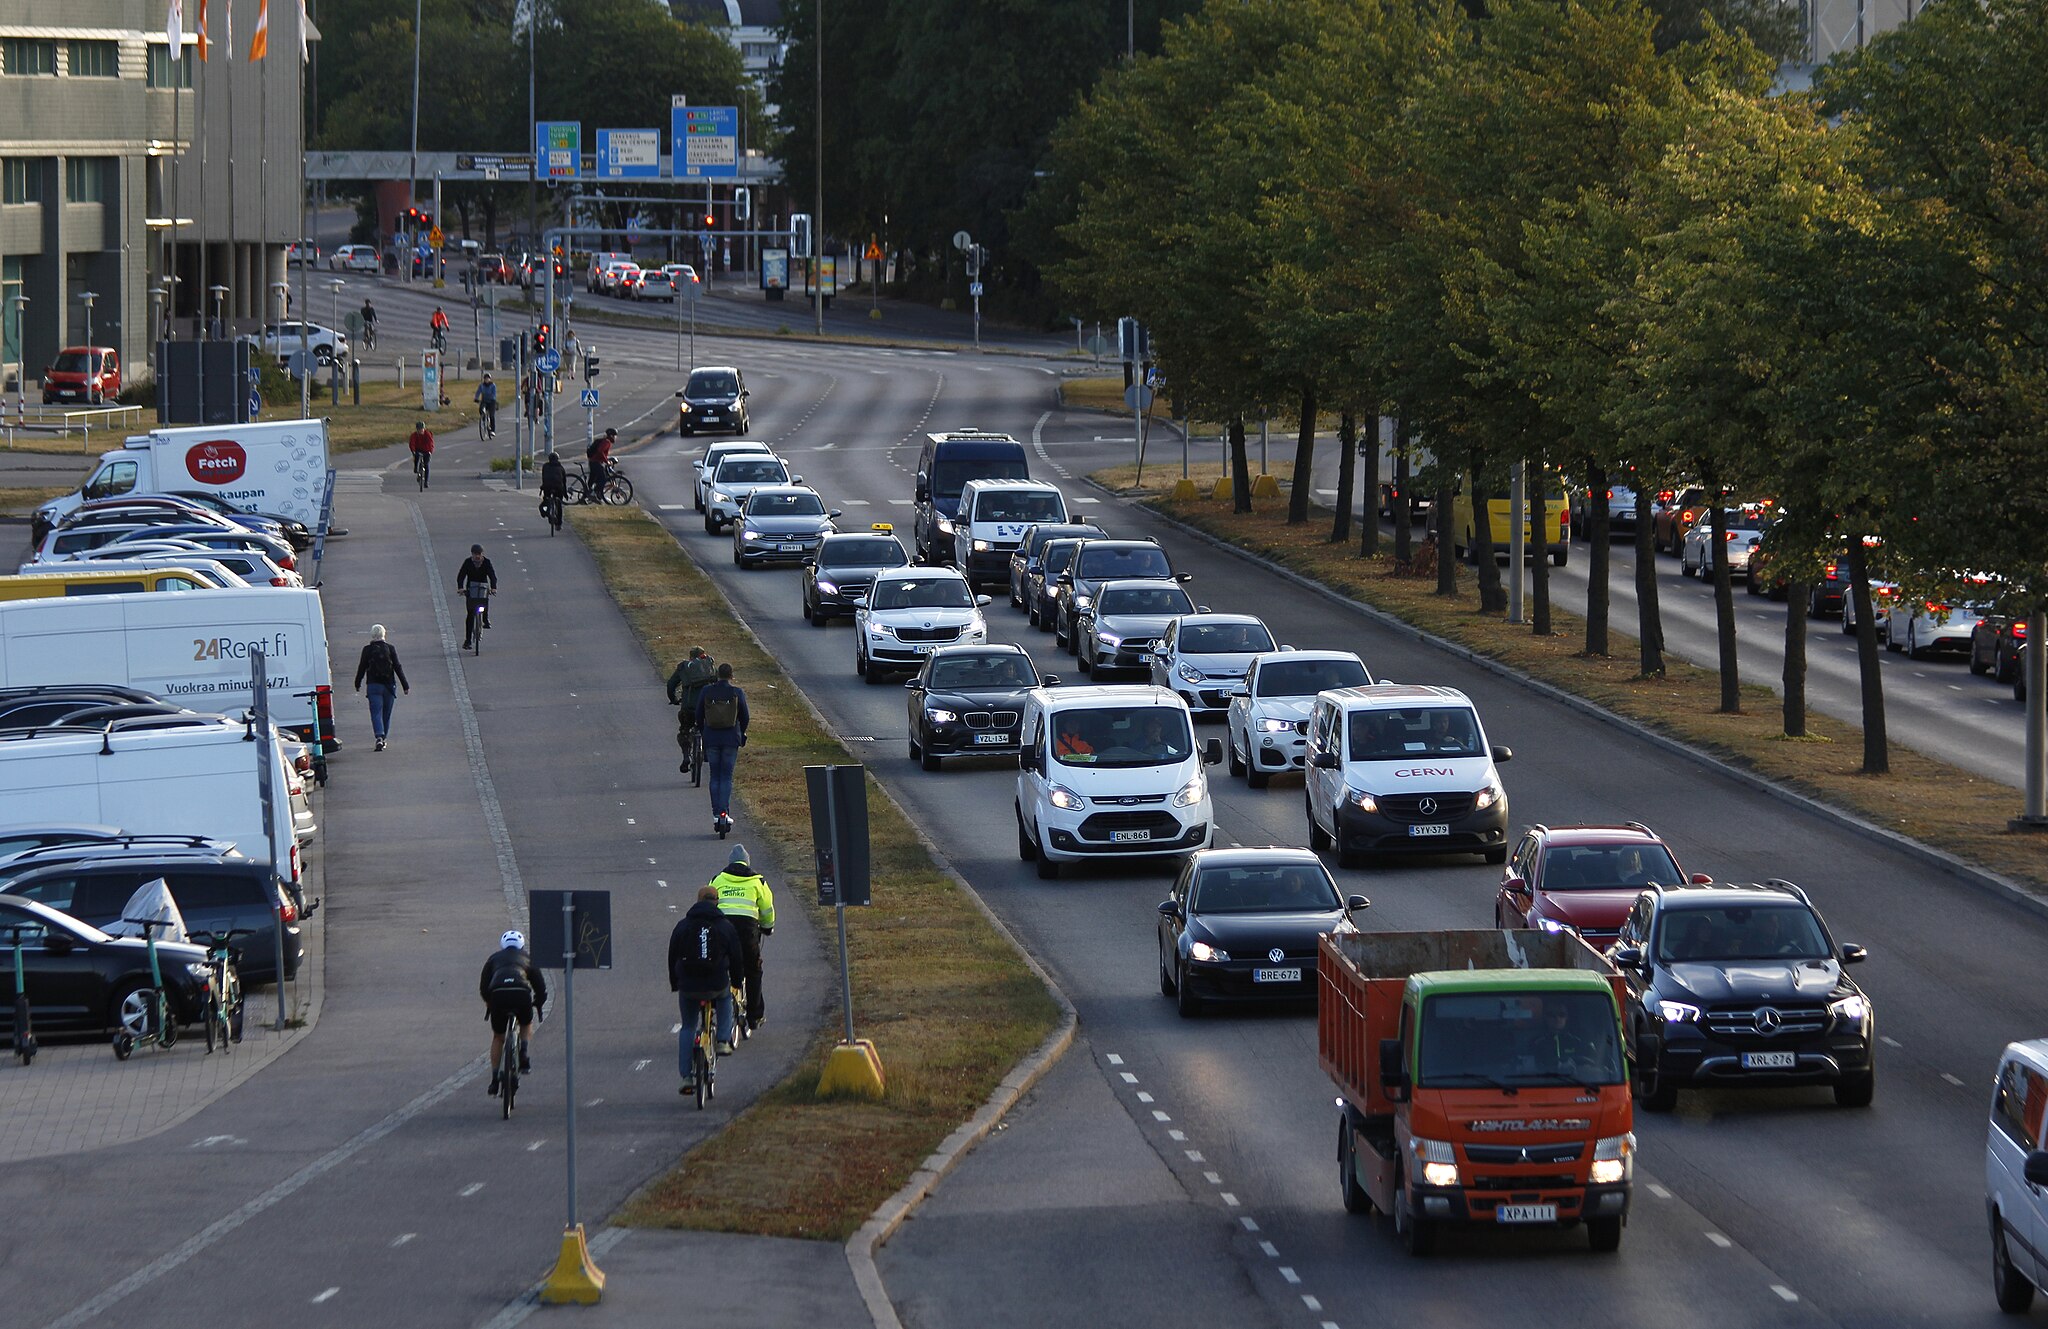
[(1924, 798), (950, 1005)]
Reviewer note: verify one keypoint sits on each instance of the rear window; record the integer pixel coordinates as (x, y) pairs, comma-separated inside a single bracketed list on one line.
[(1121, 736), (1413, 731), (1137, 561)]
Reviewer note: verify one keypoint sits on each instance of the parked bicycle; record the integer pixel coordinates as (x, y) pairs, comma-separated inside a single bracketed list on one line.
[(618, 490), (223, 1016), (144, 1015), (24, 1020)]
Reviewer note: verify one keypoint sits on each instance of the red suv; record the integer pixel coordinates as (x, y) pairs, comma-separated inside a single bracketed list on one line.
[(90, 374), (1583, 879)]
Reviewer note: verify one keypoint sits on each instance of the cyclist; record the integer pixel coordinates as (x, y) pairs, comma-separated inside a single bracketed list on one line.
[(421, 445), (722, 715), (703, 965), (369, 324), (599, 455), (685, 685), (437, 329), (476, 579), (554, 487), (486, 399), (512, 987), (750, 906)]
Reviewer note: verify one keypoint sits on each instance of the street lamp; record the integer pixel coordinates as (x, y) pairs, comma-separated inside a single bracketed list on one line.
[(219, 323), (21, 371), (87, 298), (335, 285)]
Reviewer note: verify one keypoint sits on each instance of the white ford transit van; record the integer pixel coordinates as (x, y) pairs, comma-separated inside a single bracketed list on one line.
[(992, 518)]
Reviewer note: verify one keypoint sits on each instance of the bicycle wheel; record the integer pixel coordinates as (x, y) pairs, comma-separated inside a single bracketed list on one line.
[(166, 1027), (618, 491), (509, 1072), (577, 490), (700, 1061), (211, 1020), (419, 474)]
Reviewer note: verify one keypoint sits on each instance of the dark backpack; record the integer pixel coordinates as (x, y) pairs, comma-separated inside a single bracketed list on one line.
[(722, 712)]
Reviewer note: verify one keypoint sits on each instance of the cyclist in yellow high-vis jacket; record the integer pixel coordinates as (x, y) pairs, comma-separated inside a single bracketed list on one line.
[(745, 898)]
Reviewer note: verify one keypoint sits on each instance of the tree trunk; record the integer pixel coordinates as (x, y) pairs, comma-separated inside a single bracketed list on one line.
[(1347, 474), (1304, 461), (1493, 593), (1369, 490), (1240, 468), (1876, 752), (1539, 598), (1401, 510), (1795, 659), (1446, 539), (1602, 558), (1649, 626), (1724, 608)]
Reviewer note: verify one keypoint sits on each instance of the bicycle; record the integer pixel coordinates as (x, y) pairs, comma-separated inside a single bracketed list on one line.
[(440, 341), (24, 1020), (551, 508), (223, 1016), (741, 1030), (144, 1014), (508, 1066), (422, 462), (691, 739), (486, 421), (478, 606), (618, 490), (704, 1052)]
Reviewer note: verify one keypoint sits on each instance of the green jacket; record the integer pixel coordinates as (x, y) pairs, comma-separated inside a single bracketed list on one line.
[(689, 679), (745, 897)]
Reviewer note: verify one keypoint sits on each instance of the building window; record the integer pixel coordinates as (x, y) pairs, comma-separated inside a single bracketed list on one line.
[(28, 55), (95, 59), (88, 179), (21, 180), (163, 74)]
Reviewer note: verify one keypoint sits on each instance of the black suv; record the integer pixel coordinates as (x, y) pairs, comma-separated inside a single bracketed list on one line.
[(1737, 985), (838, 577), (213, 894), (1096, 562)]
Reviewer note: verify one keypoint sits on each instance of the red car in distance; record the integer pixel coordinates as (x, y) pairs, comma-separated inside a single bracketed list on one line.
[(85, 374), (1583, 879)]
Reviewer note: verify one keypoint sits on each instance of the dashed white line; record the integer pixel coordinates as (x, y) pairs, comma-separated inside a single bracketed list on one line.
[(1719, 1240), (325, 1295), (1287, 1272), (1272, 1251), (402, 1238), (1229, 1199), (1195, 1156), (1127, 1077), (1952, 1079), (1655, 1190), (1157, 1115), (1784, 1292), (471, 1189), (1114, 1059), (1144, 1097), (1311, 1302), (674, 507), (643, 1063), (1250, 1224), (1213, 1178), (1889, 1041), (1178, 1137), (534, 1147)]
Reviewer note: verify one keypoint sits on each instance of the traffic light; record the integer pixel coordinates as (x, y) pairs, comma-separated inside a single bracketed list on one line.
[(743, 204), (540, 340), (710, 219), (589, 369)]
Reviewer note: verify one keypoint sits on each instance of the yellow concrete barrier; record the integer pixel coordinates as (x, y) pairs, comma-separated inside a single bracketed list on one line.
[(1222, 490), (575, 1280), (1185, 490), (853, 1068), (1265, 485)]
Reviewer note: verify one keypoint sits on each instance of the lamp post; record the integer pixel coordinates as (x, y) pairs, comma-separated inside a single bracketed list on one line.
[(87, 298), (21, 373), (217, 325), (336, 285), (159, 297)]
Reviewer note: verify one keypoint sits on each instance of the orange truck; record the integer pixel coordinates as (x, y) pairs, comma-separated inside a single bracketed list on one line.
[(1485, 1079)]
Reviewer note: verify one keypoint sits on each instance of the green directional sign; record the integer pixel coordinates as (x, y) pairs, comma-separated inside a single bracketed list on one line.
[(559, 146)]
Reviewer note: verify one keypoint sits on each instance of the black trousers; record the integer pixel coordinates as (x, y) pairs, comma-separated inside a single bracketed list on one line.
[(750, 953)]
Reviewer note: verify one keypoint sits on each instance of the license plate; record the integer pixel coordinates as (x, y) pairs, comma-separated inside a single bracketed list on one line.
[(991, 740), (1129, 837), (1276, 975), (1525, 1213), (1769, 1061), (789, 547), (1436, 828)]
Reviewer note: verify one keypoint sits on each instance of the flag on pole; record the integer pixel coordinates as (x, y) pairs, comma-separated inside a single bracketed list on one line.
[(259, 42), (227, 14), (205, 46), (305, 56), (174, 31)]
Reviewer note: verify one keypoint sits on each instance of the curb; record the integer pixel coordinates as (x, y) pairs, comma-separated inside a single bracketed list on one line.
[(1991, 883)]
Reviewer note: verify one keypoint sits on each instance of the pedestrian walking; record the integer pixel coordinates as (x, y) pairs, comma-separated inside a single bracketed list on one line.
[(379, 668), (722, 715)]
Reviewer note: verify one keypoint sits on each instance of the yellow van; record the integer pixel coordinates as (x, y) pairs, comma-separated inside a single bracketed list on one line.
[(1556, 523), (81, 579)]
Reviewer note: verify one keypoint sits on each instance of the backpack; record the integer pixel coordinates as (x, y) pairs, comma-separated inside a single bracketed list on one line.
[(380, 669), (722, 712)]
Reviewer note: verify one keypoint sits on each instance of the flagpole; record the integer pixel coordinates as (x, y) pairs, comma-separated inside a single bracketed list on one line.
[(199, 125), (234, 279), (178, 68)]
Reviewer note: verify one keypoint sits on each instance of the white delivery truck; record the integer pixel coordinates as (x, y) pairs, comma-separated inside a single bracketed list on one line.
[(276, 467), (190, 647), (187, 780)]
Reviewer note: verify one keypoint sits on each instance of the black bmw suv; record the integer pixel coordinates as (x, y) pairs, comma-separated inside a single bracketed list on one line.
[(1742, 985)]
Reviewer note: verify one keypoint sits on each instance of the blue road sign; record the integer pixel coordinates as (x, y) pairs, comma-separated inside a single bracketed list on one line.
[(550, 360), (974, 288), (590, 398), (705, 141), (558, 149), (255, 404), (629, 154)]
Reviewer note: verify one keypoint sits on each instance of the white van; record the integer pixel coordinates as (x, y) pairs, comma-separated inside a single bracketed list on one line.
[(1400, 768), (189, 780), (991, 521), (278, 467), (1111, 772), (2016, 1175), (190, 647)]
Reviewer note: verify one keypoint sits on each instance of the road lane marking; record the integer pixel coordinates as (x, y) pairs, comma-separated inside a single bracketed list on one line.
[(1230, 1199), (643, 1063), (593, 1102), (471, 1189), (1655, 1189), (1952, 1079), (856, 502), (1144, 1097), (1213, 1178), (402, 1238), (325, 1295), (1719, 1240), (1178, 1137), (1272, 1251), (1287, 1272), (1250, 1224), (1157, 1115), (534, 1148), (1784, 1292), (899, 502), (1311, 1302), (1889, 1041), (676, 507), (1128, 1078), (1195, 1156)]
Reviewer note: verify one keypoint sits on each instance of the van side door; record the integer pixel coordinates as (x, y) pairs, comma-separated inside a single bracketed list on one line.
[(2016, 1113), (1320, 727)]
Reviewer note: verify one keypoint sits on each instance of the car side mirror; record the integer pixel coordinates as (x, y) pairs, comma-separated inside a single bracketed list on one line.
[(58, 943), (796, 479), (1184, 576), (835, 512), (1702, 879), (1393, 1075), (1201, 609), (1352, 902), (1628, 957), (1327, 761), (746, 392), (913, 684), (2035, 1169), (984, 599), (1169, 909), (1285, 647), (1065, 579), (1514, 885), (1049, 681), (1212, 752), (1852, 954), (1501, 754), (811, 564)]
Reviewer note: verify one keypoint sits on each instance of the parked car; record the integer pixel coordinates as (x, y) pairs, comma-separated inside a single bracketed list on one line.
[(969, 700), (303, 253), (354, 258), (81, 981), (1241, 925), (1265, 717), (288, 529), (85, 375), (1995, 642), (836, 579), (141, 848), (1583, 879)]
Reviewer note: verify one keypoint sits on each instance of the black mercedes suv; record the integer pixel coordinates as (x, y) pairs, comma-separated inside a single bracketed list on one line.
[(1742, 985)]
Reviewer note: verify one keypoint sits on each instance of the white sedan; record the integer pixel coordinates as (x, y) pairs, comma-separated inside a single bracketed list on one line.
[(909, 613), (281, 341), (1279, 691), (737, 477), (1922, 627), (1696, 549), (1204, 657)]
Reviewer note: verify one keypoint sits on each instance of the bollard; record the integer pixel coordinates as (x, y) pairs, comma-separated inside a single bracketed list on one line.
[(355, 382)]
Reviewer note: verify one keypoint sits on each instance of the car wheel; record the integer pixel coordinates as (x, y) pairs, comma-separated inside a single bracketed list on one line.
[(737, 561), (1237, 764), (1167, 987), (128, 1012), (1855, 1091), (1977, 665), (2008, 666), (1752, 585), (1604, 1233), (1560, 558), (915, 751), (1686, 569), (1317, 838), (710, 524), (1185, 1002), (927, 762), (696, 499), (1026, 849), (1059, 634), (1891, 643), (1048, 868), (1085, 663), (2014, 1293), (1254, 778), (1848, 618), (1657, 1094), (860, 661), (1356, 1201), (1031, 615)]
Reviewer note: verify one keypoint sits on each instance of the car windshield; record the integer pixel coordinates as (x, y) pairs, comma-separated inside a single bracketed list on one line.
[(1607, 867), (923, 593), (1001, 506), (1121, 736), (711, 385), (785, 505), (863, 553), (1264, 888), (950, 477), (1501, 1038), (1147, 600), (968, 673), (1305, 678), (1741, 932), (1411, 731), (1224, 638), (752, 471), (1132, 561), (72, 362)]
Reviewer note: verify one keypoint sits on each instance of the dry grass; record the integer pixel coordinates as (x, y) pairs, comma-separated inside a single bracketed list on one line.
[(1924, 798), (386, 417), (950, 1005), (20, 502)]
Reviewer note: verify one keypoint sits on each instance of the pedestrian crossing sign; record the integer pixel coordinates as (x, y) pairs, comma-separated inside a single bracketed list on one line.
[(590, 398)]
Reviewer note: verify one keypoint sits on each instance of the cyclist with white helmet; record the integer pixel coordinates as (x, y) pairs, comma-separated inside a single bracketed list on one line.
[(512, 987)]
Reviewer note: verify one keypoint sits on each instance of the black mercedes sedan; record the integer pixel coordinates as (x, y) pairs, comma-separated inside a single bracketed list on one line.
[(1241, 926), (837, 577), (970, 699)]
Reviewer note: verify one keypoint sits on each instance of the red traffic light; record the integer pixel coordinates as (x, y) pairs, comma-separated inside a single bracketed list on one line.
[(710, 220), (540, 339)]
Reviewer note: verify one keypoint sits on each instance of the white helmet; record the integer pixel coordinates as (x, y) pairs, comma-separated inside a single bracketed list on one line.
[(513, 940)]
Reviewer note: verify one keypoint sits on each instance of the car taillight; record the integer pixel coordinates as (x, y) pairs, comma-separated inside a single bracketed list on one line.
[(1730, 535), (1934, 608), (286, 910), (280, 581), (2019, 629), (1830, 573), (288, 563), (294, 860), (1685, 515)]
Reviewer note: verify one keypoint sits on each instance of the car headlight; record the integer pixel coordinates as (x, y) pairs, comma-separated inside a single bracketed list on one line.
[(1109, 639), (945, 526), (1203, 951), (1488, 796), (1439, 1163), (940, 715), (1553, 926), (1062, 797), (1678, 1012), (1270, 726), (1083, 601), (1366, 802), (1614, 1159), (981, 546), (1189, 672), (686, 408), (881, 630), (720, 496), (828, 587), (1192, 792), (755, 535), (1854, 1009)]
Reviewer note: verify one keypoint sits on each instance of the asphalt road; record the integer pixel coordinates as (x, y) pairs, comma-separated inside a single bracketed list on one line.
[(1772, 1207)]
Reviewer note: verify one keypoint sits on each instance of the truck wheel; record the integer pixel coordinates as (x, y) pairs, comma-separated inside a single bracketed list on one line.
[(1604, 1233), (1855, 1091), (2015, 1294), (1317, 840), (1356, 1201), (1417, 1234), (1659, 1096)]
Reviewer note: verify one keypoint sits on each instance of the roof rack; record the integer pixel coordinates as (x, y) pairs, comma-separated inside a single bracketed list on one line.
[(1793, 887)]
